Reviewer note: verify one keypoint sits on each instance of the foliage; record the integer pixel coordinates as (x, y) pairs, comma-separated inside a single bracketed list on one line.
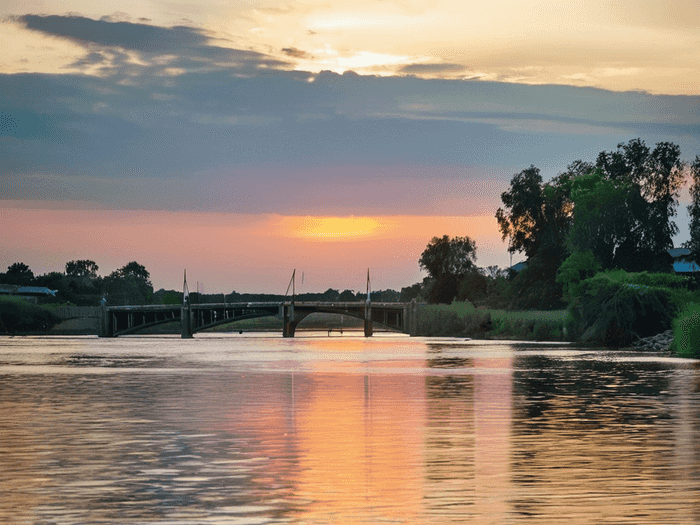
[(473, 287), (535, 287), (448, 261), (651, 180), (418, 291), (612, 221), (686, 332), (446, 256), (18, 315), (614, 309), (19, 274), (464, 320), (694, 211), (578, 267), (454, 320), (82, 268), (129, 285)]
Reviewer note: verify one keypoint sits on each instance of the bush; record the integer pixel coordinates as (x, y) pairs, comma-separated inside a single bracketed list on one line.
[(686, 332), (18, 315), (613, 309)]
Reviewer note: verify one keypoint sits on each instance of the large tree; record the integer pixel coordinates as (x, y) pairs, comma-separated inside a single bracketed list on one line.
[(694, 211), (82, 268), (129, 284), (656, 176), (447, 261), (19, 273), (535, 219)]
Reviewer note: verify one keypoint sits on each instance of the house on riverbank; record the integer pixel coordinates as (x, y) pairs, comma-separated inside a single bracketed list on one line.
[(30, 293), (682, 264)]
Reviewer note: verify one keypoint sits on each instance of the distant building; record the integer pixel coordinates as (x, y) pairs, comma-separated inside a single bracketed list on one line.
[(517, 268), (682, 265), (30, 293)]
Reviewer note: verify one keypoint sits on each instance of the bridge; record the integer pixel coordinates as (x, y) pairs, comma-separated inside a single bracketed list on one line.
[(193, 318)]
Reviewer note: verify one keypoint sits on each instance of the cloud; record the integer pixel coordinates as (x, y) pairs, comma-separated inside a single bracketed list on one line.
[(296, 53), (172, 120), (187, 46), (431, 69)]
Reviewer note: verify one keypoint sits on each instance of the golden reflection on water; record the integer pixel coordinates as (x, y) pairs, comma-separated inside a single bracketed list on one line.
[(441, 434)]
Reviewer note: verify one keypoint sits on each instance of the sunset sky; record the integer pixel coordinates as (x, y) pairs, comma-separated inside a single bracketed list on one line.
[(242, 140)]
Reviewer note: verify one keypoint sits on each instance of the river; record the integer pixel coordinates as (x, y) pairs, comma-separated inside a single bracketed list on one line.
[(257, 429)]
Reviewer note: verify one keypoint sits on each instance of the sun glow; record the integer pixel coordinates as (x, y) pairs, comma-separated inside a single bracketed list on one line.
[(329, 228)]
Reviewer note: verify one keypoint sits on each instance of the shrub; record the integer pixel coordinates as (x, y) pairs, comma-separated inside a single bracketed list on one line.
[(611, 308), (18, 315), (686, 332)]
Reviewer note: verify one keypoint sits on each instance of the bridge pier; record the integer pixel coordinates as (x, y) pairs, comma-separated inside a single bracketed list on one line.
[(186, 320), (106, 325), (290, 324), (368, 320)]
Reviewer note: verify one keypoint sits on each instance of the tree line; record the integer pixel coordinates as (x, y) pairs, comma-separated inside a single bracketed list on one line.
[(81, 285), (615, 213)]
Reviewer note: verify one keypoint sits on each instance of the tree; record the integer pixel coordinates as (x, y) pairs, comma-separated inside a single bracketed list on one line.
[(134, 269), (448, 261), (82, 268), (130, 285), (653, 179), (536, 219), (19, 273), (523, 219), (607, 217), (694, 211), (347, 296)]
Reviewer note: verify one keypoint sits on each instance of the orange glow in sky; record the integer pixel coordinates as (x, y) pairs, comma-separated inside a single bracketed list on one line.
[(246, 253), (334, 228)]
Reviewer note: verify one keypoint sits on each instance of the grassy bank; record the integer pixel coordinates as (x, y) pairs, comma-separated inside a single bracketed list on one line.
[(464, 320), (20, 316), (686, 332)]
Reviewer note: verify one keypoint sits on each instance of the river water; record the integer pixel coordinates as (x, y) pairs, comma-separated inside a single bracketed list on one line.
[(256, 429)]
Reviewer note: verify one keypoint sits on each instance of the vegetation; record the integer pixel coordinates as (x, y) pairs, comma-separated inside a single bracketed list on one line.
[(686, 332), (465, 320), (448, 262), (18, 315), (617, 307)]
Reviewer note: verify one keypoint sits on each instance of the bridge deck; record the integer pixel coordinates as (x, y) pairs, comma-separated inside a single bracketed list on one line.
[(120, 320)]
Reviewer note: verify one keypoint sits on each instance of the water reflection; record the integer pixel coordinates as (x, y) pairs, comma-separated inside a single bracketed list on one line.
[(344, 431)]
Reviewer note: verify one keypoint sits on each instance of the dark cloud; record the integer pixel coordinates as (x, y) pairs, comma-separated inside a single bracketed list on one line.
[(181, 41), (276, 141), (294, 52), (418, 69)]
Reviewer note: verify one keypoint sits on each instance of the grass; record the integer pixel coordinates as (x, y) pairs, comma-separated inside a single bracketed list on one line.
[(464, 320)]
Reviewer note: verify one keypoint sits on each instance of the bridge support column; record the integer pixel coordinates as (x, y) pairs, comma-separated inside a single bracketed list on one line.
[(290, 325), (368, 320), (106, 325), (186, 321)]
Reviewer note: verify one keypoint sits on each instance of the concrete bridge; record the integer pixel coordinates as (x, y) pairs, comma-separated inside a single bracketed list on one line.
[(122, 320)]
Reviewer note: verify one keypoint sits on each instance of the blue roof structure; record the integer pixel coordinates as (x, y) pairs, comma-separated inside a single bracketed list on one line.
[(13, 289), (680, 262)]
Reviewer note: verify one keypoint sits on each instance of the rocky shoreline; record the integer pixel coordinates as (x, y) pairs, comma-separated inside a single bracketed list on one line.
[(656, 343)]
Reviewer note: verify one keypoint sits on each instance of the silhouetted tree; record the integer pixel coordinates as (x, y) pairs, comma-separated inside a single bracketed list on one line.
[(448, 261), (694, 211), (129, 285), (19, 273), (82, 268)]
